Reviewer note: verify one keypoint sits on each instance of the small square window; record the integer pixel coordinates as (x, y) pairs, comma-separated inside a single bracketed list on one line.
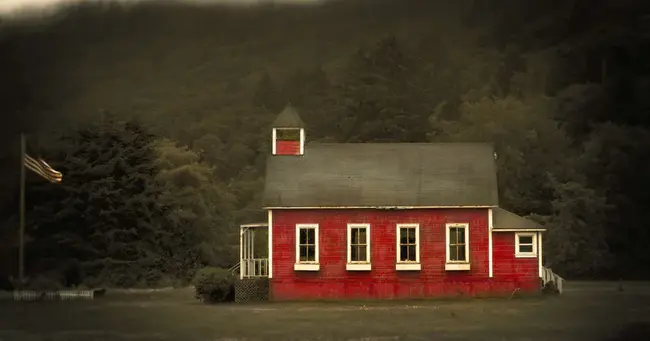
[(525, 244)]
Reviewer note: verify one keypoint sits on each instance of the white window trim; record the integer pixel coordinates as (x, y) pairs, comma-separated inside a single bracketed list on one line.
[(302, 265), (540, 253), (490, 243), (532, 254), (274, 136), (407, 265), (302, 141), (270, 218), (457, 265), (358, 266)]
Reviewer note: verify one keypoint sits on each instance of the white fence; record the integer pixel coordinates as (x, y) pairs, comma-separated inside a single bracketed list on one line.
[(65, 295)]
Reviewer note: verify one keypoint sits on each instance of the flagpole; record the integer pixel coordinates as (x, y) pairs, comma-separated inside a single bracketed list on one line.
[(21, 236)]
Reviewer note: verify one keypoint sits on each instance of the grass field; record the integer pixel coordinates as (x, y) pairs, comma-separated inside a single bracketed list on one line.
[(586, 311)]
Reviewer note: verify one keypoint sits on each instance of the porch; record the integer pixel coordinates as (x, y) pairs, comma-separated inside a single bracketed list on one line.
[(253, 266), (253, 251)]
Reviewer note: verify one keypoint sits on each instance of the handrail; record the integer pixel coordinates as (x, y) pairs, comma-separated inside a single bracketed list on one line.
[(233, 269), (549, 276)]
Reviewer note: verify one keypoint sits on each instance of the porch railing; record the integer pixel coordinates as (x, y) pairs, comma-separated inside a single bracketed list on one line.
[(549, 276), (255, 267)]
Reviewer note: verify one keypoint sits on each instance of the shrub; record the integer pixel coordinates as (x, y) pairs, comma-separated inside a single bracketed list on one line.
[(43, 283), (214, 285), (550, 289), (6, 283), (90, 282)]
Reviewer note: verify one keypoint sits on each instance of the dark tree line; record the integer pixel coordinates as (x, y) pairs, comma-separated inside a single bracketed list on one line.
[(132, 210), (169, 128)]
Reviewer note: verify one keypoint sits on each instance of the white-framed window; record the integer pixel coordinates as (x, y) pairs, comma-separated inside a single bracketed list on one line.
[(358, 247), (457, 247), (307, 247), (408, 247), (288, 134), (525, 244)]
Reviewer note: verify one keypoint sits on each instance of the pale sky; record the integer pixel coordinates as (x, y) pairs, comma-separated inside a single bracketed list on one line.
[(12, 6)]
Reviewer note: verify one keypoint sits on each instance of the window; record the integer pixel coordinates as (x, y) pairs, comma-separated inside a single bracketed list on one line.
[(457, 247), (408, 247), (525, 244), (288, 141), (287, 134), (358, 247), (306, 247)]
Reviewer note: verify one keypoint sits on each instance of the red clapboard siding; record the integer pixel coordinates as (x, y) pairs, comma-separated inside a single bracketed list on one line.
[(524, 271), (287, 147), (383, 281)]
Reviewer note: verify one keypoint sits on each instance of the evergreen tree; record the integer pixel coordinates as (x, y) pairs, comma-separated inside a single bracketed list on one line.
[(105, 216), (576, 242), (308, 90), (615, 160), (378, 100), (199, 210), (267, 94)]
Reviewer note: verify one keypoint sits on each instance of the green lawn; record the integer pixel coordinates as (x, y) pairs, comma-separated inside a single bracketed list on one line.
[(586, 311)]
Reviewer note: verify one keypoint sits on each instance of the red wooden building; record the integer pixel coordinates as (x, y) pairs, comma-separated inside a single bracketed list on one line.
[(387, 220)]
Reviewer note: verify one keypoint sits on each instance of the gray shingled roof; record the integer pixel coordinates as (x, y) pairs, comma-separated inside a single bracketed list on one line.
[(288, 118), (383, 174), (506, 220)]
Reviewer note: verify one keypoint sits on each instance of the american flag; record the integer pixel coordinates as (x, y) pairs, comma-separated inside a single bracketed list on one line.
[(40, 167)]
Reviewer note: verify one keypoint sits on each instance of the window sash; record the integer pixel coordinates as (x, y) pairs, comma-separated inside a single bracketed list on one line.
[(307, 235), (527, 248), (358, 253), (307, 253), (287, 134), (457, 243), (307, 244), (358, 243), (407, 243)]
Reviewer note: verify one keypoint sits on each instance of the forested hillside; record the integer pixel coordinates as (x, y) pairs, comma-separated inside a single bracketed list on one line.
[(158, 116)]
